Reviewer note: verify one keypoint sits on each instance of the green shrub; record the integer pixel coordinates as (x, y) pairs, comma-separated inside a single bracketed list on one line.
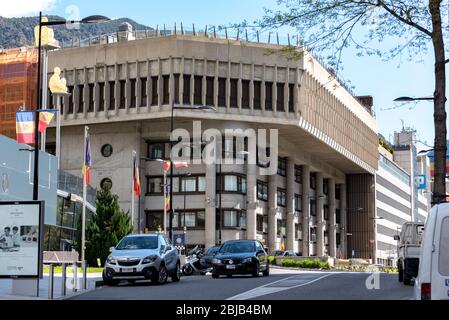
[(305, 264), (272, 260)]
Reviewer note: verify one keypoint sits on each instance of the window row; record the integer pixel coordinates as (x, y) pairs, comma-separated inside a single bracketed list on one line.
[(189, 184), (157, 90)]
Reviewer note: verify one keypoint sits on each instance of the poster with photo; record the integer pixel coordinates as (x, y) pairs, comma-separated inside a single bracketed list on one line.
[(20, 239)]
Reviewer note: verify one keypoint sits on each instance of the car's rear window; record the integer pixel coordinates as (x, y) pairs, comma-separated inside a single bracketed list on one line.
[(444, 248), (138, 243), (238, 247)]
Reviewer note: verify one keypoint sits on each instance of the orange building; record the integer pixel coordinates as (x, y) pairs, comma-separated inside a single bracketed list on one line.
[(18, 68)]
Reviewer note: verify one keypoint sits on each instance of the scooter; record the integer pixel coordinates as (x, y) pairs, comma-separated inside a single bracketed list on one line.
[(193, 263)]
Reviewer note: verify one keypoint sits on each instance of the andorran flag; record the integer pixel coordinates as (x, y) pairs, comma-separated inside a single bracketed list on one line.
[(25, 127), (44, 120), (136, 177)]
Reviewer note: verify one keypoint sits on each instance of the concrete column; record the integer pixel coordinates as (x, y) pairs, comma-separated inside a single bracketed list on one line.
[(332, 219), (251, 198), (305, 211), (343, 219), (272, 210), (320, 245), (290, 204), (210, 232)]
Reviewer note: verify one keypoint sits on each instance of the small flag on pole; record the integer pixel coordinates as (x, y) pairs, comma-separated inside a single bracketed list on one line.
[(167, 165), (283, 245), (45, 119), (25, 127), (136, 177), (180, 164), (87, 159)]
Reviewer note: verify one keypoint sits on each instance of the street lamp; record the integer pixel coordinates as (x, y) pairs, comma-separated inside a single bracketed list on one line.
[(172, 120), (90, 20), (410, 99)]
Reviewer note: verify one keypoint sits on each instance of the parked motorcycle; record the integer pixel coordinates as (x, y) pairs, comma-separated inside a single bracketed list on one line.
[(193, 263)]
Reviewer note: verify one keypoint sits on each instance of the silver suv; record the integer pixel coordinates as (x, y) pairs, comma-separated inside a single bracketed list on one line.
[(142, 256)]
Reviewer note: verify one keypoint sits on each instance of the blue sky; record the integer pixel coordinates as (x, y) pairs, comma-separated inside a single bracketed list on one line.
[(370, 75)]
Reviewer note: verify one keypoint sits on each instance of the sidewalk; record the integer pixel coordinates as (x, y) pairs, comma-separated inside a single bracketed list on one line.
[(92, 278)]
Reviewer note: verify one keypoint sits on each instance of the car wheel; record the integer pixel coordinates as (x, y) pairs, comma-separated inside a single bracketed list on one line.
[(177, 274), (266, 273), (256, 270), (161, 276), (109, 281), (187, 270), (215, 275)]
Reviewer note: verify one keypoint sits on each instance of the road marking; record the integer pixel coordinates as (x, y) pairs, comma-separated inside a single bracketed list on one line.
[(276, 286)]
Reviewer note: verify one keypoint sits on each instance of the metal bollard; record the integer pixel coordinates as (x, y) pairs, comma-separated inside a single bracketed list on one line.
[(63, 279), (84, 266), (50, 282), (75, 276)]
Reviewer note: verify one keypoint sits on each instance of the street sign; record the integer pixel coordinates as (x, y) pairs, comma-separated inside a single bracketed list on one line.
[(179, 239), (420, 181)]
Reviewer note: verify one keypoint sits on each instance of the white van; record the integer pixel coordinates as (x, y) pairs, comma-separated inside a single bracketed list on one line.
[(432, 282)]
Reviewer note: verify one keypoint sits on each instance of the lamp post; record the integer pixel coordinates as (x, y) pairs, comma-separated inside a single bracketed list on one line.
[(172, 120), (410, 99), (90, 20)]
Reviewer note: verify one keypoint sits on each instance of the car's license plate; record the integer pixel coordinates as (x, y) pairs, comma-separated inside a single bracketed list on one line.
[(230, 267), (127, 270)]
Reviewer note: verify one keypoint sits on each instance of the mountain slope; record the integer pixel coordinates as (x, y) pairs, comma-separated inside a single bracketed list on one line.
[(17, 32)]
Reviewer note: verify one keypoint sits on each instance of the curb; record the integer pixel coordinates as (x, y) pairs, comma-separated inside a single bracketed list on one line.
[(326, 270)]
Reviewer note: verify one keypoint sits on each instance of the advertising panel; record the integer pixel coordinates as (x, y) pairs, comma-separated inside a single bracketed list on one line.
[(21, 234)]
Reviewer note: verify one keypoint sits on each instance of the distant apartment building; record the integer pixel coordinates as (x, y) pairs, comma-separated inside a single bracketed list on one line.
[(18, 78), (398, 199)]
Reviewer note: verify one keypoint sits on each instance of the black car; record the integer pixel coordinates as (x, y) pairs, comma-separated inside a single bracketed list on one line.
[(241, 257), (206, 259)]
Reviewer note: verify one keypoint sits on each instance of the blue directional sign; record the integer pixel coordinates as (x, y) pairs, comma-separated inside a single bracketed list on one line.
[(179, 240), (420, 181), (447, 282)]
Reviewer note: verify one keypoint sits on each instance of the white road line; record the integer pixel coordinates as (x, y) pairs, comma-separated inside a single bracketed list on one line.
[(267, 289)]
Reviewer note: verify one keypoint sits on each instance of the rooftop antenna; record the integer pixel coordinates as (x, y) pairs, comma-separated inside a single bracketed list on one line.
[(165, 30), (175, 29), (246, 34), (182, 29), (238, 34), (157, 31), (194, 33), (205, 31), (226, 32), (215, 33), (277, 37), (288, 37), (257, 34), (269, 37)]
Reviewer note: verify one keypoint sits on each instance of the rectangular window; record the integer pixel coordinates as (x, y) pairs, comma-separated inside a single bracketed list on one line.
[(282, 167), (268, 95), (313, 208), (313, 235), (91, 98), (186, 88), (154, 91), (234, 93), (122, 94), (101, 98), (175, 220), (188, 219), (155, 185), (143, 92), (81, 98), (198, 94), (312, 181), (133, 93), (325, 186), (201, 219), (262, 191), (298, 203), (326, 212), (298, 231), (156, 151), (280, 97), (70, 98), (282, 197), (210, 91), (281, 228), (222, 92), (338, 239), (298, 174), (176, 93), (188, 184), (326, 238), (155, 221), (291, 97), (259, 223), (175, 184), (111, 95), (230, 183), (166, 89), (201, 184), (337, 216), (231, 218), (257, 95), (245, 94), (337, 192)]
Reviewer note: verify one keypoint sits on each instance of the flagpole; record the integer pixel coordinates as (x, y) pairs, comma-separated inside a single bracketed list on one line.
[(83, 221), (132, 187), (165, 202)]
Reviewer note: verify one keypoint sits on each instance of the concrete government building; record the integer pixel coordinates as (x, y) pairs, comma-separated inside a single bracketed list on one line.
[(324, 188)]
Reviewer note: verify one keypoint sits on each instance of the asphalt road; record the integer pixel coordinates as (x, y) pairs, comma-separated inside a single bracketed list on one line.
[(280, 285)]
